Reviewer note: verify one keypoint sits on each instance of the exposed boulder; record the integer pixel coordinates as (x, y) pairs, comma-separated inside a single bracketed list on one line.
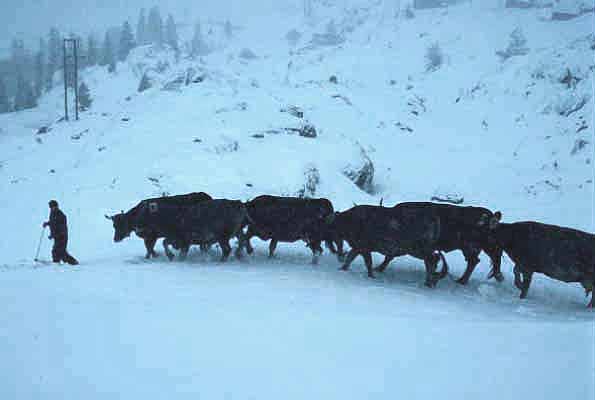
[(247, 54), (312, 180), (361, 172)]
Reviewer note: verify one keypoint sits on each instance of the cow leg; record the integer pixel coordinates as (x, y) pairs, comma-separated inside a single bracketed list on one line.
[(527, 275), (316, 247), (226, 248), (184, 251), (150, 246), (382, 267), (430, 262), (588, 289), (496, 258), (204, 248), (349, 259), (272, 247), (518, 282), (239, 249), (472, 258), (368, 260), (495, 255), (247, 237), (340, 250), (331, 246), (168, 253)]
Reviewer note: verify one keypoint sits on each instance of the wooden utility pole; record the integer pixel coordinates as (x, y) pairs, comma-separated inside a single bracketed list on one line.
[(65, 83), (74, 46), (76, 79)]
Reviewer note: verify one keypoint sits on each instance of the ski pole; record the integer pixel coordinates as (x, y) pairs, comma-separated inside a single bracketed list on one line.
[(39, 245)]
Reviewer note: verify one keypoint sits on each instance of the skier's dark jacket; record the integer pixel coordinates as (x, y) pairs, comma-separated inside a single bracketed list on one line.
[(57, 223)]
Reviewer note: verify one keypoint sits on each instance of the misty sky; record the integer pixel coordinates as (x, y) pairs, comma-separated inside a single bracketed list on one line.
[(29, 19)]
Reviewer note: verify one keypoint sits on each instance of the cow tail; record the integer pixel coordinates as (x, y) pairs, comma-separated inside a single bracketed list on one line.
[(248, 219)]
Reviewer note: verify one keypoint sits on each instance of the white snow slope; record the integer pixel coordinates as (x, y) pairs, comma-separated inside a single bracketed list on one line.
[(118, 326)]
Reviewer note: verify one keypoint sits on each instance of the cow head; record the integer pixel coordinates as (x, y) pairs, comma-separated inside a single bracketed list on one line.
[(122, 226), (489, 220)]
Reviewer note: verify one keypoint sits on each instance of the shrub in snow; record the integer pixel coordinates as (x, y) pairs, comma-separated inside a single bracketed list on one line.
[(247, 54), (162, 66), (333, 79), (4, 102), (569, 103), (330, 38), (520, 3), (409, 12), (517, 46), (85, 99), (361, 172), (145, 83), (227, 145), (434, 57), (293, 110), (308, 131), (569, 79), (578, 146), (312, 179), (293, 37), (175, 84)]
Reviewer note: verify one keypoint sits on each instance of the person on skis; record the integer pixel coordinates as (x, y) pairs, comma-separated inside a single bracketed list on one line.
[(59, 232)]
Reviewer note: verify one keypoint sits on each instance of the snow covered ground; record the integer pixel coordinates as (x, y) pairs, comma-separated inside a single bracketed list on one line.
[(487, 130)]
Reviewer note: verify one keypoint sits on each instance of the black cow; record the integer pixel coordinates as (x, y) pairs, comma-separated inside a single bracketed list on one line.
[(154, 218), (564, 254), (288, 219), (206, 223), (392, 232), (461, 228)]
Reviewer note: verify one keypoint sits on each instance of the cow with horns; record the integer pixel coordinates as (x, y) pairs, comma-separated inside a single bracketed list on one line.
[(154, 218)]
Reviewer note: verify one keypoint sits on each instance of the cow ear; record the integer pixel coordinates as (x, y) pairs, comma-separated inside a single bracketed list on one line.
[(108, 217), (495, 220)]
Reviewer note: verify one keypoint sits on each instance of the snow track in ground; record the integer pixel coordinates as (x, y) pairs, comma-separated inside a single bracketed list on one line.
[(282, 328)]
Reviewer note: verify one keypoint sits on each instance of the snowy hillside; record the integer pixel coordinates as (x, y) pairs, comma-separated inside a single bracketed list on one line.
[(513, 134)]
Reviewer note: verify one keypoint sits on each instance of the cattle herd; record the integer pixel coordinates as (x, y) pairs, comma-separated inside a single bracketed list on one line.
[(420, 229)]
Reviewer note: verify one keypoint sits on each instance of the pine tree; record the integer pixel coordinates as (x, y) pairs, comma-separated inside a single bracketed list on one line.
[(54, 56), (18, 54), (24, 97), (40, 66), (198, 46), (155, 27), (171, 33), (144, 84), (141, 29), (228, 30), (107, 54), (126, 41), (85, 99), (92, 51), (83, 57), (4, 102)]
